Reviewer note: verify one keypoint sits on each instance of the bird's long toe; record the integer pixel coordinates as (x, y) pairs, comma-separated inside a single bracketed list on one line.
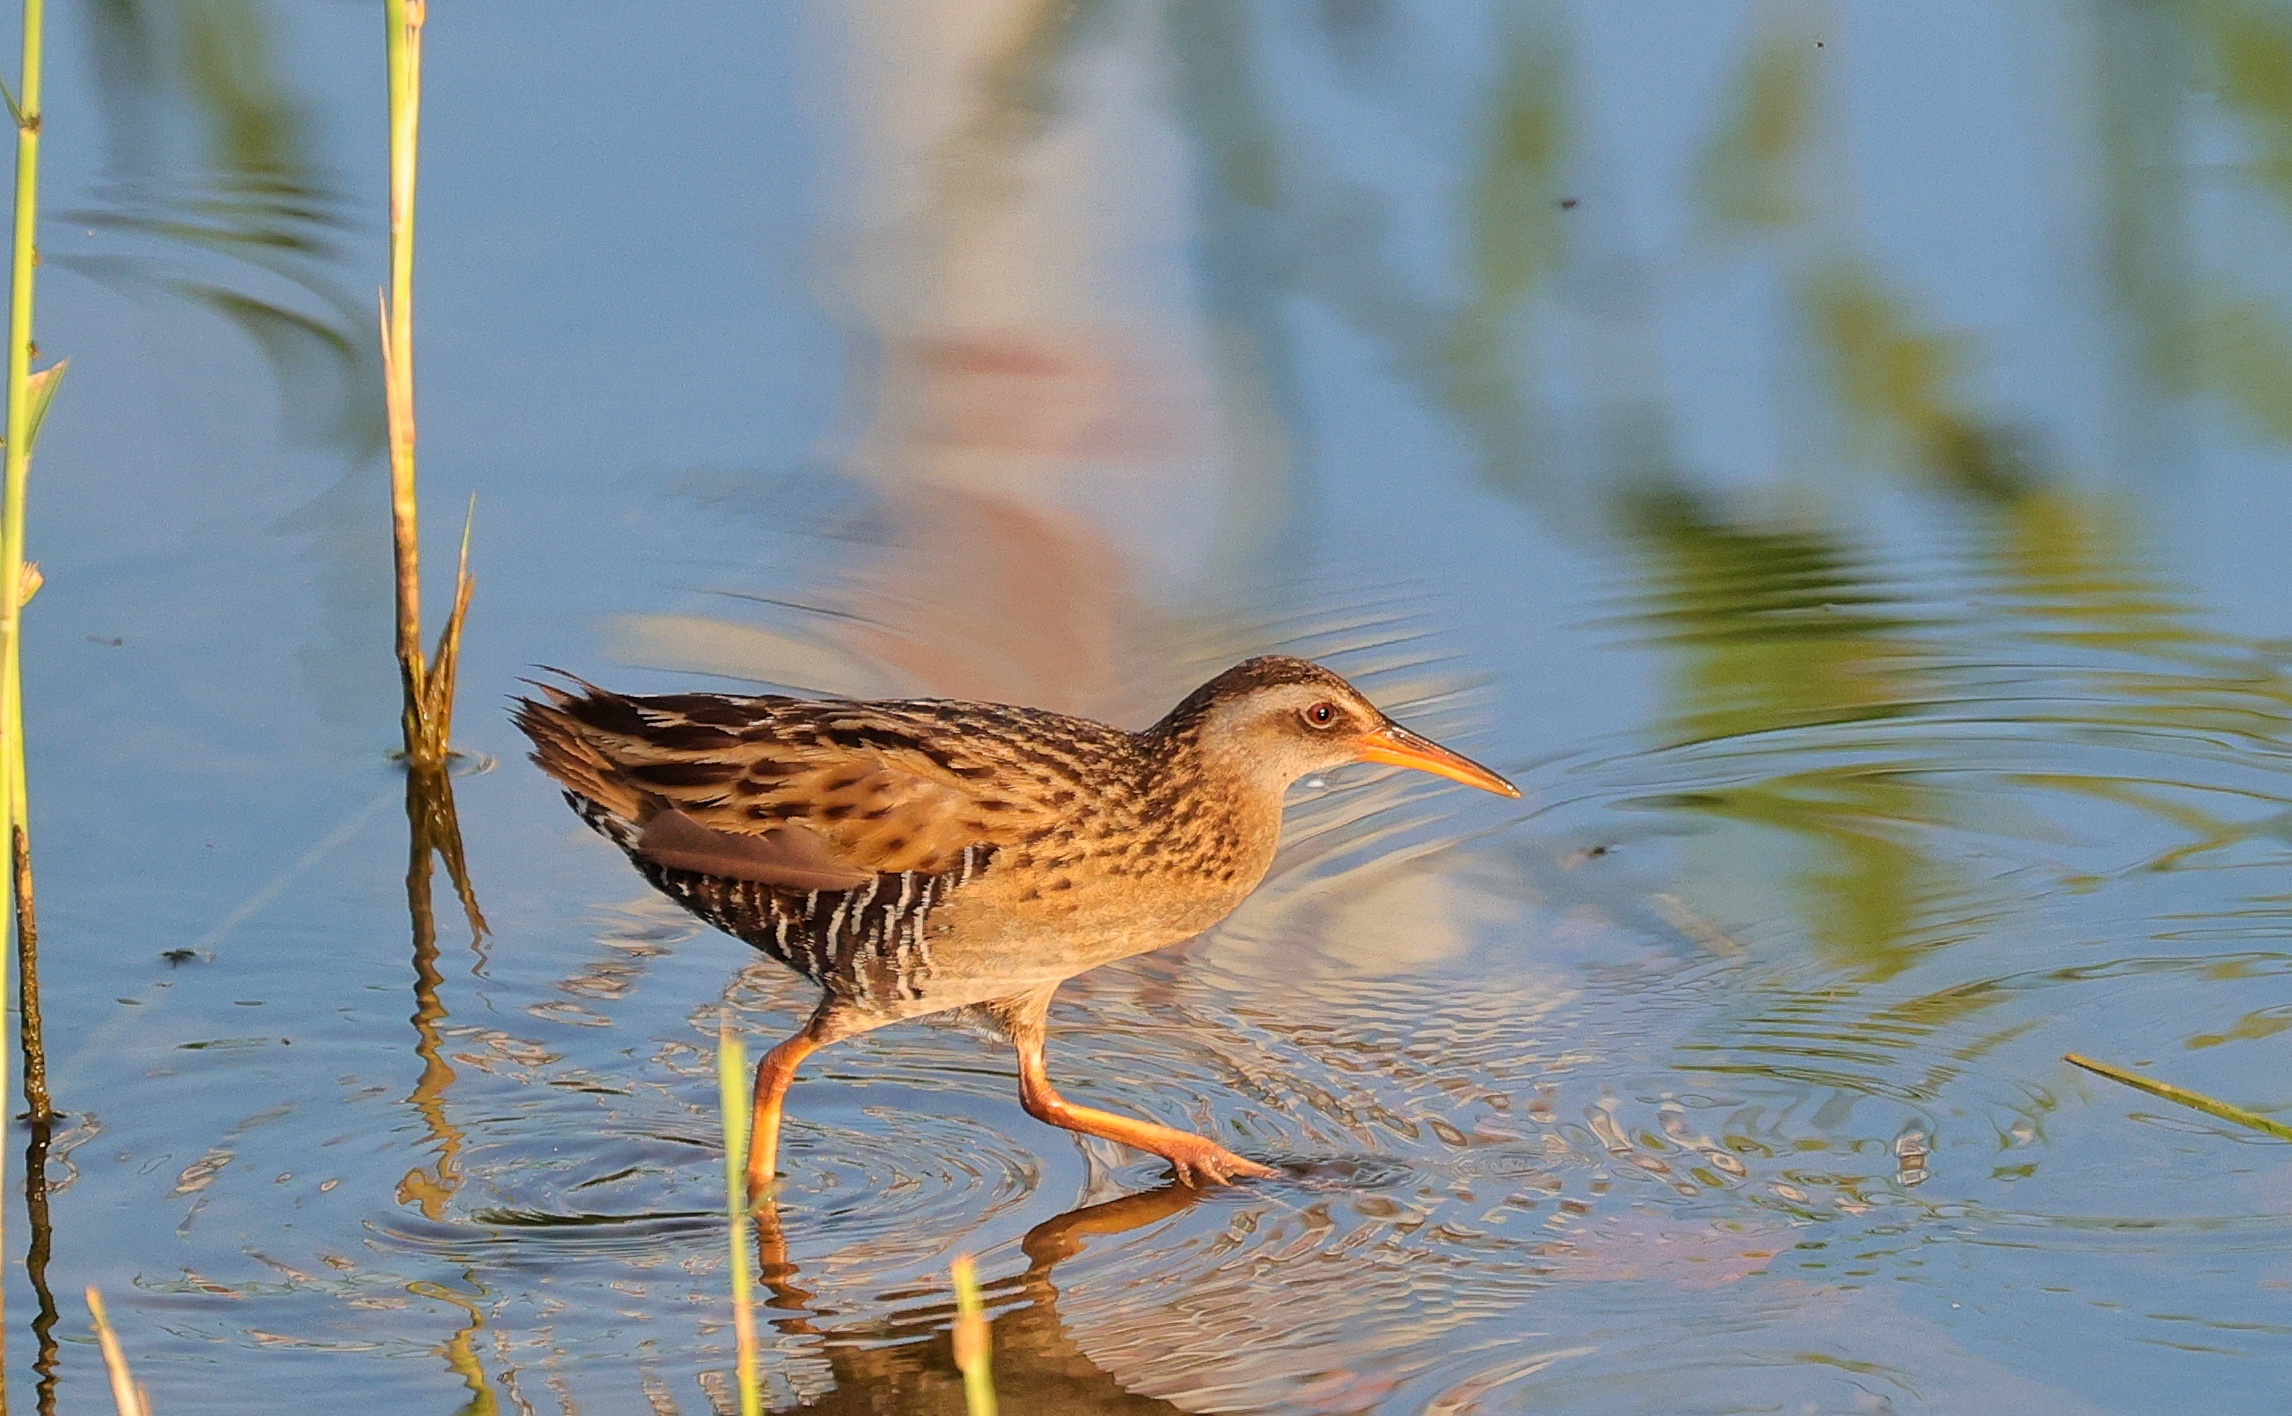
[(1208, 1163)]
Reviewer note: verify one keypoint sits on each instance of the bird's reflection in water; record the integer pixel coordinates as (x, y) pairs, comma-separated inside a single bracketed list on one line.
[(905, 1364)]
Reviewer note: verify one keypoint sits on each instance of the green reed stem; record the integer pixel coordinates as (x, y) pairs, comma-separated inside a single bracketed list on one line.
[(732, 1098), (23, 394), (2197, 1100), (972, 1345)]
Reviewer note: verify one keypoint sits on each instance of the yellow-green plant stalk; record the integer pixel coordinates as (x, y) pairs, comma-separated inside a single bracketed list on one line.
[(731, 1090), (972, 1346), (27, 399), (428, 714), (2194, 1100), (28, 395), (126, 1394)]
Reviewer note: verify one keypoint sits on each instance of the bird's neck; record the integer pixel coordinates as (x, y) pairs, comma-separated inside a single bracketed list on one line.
[(1221, 815)]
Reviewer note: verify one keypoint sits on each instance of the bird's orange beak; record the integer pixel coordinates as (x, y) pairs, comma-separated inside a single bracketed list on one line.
[(1399, 747)]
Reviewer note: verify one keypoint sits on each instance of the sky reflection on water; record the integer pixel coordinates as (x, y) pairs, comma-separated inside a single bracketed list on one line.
[(1831, 456)]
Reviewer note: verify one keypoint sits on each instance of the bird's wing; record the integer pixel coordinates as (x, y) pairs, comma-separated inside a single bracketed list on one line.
[(802, 795)]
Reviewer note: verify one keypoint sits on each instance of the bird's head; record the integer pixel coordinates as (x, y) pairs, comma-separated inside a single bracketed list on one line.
[(1278, 719)]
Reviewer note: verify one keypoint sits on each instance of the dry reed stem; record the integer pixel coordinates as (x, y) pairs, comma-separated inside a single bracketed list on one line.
[(427, 684), (126, 1393), (33, 1036)]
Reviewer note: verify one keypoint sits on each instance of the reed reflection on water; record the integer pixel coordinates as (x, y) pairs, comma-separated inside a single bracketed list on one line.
[(1808, 522)]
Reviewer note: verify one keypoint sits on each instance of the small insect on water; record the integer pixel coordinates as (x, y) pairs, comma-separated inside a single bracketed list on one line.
[(920, 856)]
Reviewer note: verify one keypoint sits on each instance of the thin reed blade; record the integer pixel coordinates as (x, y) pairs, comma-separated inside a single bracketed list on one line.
[(2197, 1101)]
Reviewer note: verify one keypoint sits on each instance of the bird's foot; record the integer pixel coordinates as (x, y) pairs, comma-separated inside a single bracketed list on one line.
[(1198, 1161)]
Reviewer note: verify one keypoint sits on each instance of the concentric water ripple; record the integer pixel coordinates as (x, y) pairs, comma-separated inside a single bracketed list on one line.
[(1712, 1074)]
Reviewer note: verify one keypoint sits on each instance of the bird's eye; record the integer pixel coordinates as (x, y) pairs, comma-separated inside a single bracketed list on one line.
[(1321, 715)]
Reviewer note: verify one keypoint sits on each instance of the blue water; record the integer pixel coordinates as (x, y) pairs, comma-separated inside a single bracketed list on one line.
[(1832, 456)]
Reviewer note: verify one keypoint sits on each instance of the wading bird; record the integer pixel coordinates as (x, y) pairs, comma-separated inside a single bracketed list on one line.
[(917, 856)]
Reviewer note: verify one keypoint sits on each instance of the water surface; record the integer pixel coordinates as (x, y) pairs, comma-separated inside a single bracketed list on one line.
[(1833, 459)]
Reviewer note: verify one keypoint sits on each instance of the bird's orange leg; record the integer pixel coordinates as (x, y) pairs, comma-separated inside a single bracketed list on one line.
[(835, 1021), (773, 1074), (1197, 1160), (773, 1078)]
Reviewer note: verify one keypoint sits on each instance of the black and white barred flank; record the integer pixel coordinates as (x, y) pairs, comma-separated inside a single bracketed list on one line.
[(867, 944)]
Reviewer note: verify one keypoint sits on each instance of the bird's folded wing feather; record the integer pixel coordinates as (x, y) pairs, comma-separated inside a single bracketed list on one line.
[(803, 795), (789, 856)]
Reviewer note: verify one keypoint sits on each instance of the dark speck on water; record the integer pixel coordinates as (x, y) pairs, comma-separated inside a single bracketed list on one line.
[(1856, 521)]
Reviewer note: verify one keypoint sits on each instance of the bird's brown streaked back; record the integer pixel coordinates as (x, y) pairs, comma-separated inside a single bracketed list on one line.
[(881, 788)]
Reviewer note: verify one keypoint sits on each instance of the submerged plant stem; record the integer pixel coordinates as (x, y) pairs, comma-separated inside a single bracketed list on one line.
[(2196, 1100), (47, 1355), (433, 832)]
